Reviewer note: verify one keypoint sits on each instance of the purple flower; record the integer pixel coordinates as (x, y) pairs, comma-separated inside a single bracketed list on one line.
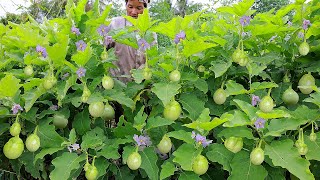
[(142, 140), (81, 72), (107, 40), (54, 107), (179, 37), (255, 99), (103, 30), (143, 44), (162, 156), (81, 45), (15, 108), (301, 35), (287, 38), (289, 23), (65, 76), (245, 20), (73, 147), (259, 123), (75, 31), (273, 38), (306, 24), (41, 51), (200, 139)]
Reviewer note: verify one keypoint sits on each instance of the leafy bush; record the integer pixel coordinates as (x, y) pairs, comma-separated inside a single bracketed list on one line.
[(232, 96)]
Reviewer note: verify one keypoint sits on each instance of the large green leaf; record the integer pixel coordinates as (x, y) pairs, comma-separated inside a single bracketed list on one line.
[(158, 121), (314, 98), (219, 67), (185, 156), (233, 88), (9, 85), (188, 176), (195, 46), (192, 104), (93, 139), (262, 85), (182, 135), (31, 166), (140, 119), (246, 108), (274, 114), (239, 9), (167, 169), (242, 168), (49, 138), (314, 148), (82, 122), (239, 119), (61, 47), (241, 131), (282, 153), (32, 96), (102, 166), (218, 153), (62, 92), (46, 151), (64, 164), (82, 57), (120, 97), (149, 160), (166, 91)]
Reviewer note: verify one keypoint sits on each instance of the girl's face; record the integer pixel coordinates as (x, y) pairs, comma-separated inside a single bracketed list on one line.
[(134, 8)]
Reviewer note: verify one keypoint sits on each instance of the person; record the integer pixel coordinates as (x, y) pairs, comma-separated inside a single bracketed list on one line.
[(128, 57)]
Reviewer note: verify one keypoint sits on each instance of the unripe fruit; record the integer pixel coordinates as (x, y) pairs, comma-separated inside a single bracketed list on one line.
[(60, 121), (108, 112), (92, 173), (33, 143), (13, 148), (200, 165), (303, 149), (220, 96), (313, 137), (234, 144), (257, 156), (96, 109), (107, 82), (266, 104), (172, 111), (175, 76), (290, 97), (165, 145), (304, 48), (15, 129), (305, 83), (134, 161), (147, 73), (28, 70)]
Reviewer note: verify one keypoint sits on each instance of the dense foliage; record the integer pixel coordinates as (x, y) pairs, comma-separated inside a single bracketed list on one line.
[(234, 95)]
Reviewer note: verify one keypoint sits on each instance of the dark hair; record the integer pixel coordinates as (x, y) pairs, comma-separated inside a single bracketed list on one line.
[(144, 4)]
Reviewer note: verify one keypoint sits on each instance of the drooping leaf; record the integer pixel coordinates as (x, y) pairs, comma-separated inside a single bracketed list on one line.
[(181, 135), (274, 114), (237, 132), (72, 136), (246, 108), (185, 150), (32, 96), (185, 175), (140, 119), (282, 153), (233, 88), (9, 85), (82, 122), (195, 46), (93, 139), (166, 91), (242, 168), (218, 153), (149, 160), (46, 151), (314, 98), (31, 166), (239, 119), (102, 166), (262, 85), (167, 169), (120, 97), (109, 152), (313, 148), (64, 164), (157, 121), (49, 138), (220, 67), (201, 84), (192, 104)]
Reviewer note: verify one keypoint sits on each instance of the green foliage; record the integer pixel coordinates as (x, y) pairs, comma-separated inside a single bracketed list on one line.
[(269, 62)]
